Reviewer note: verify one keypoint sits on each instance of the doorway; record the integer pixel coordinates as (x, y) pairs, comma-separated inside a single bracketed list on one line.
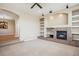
[(8, 26)]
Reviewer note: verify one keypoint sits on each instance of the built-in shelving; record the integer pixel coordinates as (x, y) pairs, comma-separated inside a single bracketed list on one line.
[(75, 21), (75, 33), (75, 16), (42, 27), (75, 25)]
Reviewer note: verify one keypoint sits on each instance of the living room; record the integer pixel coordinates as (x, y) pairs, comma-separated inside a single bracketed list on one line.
[(38, 28)]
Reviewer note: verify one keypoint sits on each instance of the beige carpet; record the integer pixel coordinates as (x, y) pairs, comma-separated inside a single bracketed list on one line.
[(38, 48)]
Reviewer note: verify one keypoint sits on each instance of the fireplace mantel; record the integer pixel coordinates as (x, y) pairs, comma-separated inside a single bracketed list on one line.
[(58, 26)]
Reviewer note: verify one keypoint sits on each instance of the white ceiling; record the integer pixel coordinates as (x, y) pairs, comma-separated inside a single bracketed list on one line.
[(25, 7)]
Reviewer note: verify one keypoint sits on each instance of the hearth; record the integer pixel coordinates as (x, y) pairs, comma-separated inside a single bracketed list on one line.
[(61, 35)]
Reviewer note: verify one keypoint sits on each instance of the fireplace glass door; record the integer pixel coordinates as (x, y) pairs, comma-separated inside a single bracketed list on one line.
[(62, 35)]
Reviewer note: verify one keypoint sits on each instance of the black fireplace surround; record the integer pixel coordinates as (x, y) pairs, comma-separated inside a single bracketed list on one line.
[(61, 35)]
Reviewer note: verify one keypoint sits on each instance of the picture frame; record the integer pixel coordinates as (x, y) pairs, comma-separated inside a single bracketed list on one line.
[(3, 25)]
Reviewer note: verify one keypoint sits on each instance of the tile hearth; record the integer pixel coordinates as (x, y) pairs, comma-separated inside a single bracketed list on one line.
[(72, 43)]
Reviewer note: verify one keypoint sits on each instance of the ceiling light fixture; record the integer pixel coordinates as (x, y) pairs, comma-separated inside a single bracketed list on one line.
[(50, 11), (51, 16), (42, 14), (67, 6)]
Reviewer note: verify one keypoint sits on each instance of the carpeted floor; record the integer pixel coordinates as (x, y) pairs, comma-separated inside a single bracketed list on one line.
[(39, 47)]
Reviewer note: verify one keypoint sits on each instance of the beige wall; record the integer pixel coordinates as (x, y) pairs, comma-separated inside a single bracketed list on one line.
[(57, 19), (10, 30)]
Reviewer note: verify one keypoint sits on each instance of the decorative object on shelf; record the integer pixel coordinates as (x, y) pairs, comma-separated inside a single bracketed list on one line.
[(3, 25)]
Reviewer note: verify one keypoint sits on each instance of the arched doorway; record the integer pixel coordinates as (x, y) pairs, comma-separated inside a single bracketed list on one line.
[(9, 29)]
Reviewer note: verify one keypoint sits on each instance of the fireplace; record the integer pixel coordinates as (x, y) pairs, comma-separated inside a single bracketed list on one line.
[(61, 35)]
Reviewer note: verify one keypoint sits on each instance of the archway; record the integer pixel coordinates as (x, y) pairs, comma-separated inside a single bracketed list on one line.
[(9, 27)]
